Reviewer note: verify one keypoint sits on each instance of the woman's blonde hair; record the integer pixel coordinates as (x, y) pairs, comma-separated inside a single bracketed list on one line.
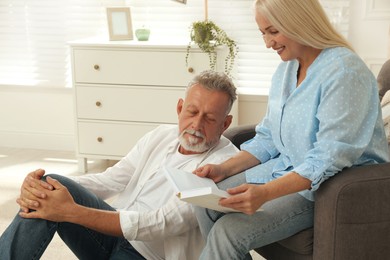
[(303, 21)]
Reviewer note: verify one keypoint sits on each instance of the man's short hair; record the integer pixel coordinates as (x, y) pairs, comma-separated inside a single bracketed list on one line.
[(215, 81)]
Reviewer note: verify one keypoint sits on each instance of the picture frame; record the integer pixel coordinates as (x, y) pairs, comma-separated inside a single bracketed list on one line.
[(119, 23)]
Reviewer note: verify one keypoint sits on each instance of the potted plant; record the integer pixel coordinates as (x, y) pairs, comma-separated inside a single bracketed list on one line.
[(208, 36)]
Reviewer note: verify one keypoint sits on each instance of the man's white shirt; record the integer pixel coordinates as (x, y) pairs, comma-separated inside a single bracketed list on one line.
[(152, 218)]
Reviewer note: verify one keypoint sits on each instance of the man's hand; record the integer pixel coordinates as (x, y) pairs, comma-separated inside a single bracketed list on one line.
[(32, 189), (59, 206), (56, 204)]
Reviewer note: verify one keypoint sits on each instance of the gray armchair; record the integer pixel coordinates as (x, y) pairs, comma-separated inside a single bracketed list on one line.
[(351, 216)]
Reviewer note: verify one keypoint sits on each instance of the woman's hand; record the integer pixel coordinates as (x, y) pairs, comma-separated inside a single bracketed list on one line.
[(211, 171), (246, 198)]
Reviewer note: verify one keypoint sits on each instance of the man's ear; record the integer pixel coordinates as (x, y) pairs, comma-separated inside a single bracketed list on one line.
[(228, 121), (179, 106)]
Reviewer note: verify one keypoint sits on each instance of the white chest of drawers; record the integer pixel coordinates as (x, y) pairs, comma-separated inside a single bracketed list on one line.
[(124, 89)]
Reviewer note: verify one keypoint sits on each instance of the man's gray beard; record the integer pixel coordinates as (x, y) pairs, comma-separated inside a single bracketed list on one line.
[(198, 147)]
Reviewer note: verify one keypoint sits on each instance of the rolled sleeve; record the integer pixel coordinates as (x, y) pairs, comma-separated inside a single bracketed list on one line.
[(129, 224), (316, 173), (174, 218), (262, 145)]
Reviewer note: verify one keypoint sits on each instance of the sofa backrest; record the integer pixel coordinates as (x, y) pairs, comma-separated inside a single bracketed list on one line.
[(384, 79)]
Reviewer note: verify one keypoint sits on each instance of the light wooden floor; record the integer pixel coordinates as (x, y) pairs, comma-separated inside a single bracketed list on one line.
[(15, 163)]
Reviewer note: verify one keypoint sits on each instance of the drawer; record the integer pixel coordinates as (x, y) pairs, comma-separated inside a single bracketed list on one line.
[(110, 139), (142, 104), (137, 67)]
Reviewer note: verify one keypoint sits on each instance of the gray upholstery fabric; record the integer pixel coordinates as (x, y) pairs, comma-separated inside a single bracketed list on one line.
[(352, 215), (276, 251), (301, 244), (240, 134), (384, 79)]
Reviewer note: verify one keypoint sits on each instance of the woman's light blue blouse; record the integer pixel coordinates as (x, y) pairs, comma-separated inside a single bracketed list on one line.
[(331, 121)]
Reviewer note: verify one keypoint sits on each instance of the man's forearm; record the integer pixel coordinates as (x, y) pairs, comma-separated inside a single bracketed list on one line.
[(103, 221)]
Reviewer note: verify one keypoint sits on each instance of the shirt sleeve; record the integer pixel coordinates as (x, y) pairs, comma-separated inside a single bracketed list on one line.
[(347, 115), (114, 179), (261, 146), (175, 217), (110, 182)]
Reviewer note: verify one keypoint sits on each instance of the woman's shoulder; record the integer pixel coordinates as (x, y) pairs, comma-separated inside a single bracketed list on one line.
[(338, 51), (341, 56), (340, 60)]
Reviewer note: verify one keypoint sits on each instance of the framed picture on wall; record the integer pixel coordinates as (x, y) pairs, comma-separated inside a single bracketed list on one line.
[(119, 23)]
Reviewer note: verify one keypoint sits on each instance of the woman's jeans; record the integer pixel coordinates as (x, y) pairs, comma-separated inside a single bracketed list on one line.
[(233, 235), (29, 238)]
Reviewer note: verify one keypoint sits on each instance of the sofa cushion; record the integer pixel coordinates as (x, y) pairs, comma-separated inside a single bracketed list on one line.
[(298, 246), (301, 243)]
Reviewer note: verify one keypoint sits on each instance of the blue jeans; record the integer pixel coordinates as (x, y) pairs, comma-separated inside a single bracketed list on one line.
[(233, 235), (29, 238)]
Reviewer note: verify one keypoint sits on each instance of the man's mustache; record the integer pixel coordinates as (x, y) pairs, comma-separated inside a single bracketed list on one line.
[(194, 132)]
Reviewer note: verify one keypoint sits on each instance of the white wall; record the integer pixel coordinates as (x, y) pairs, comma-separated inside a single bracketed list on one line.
[(369, 31), (37, 118), (43, 118)]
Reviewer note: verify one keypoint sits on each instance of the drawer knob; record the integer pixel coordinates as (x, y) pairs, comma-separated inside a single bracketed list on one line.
[(96, 67), (100, 139), (98, 103), (190, 69)]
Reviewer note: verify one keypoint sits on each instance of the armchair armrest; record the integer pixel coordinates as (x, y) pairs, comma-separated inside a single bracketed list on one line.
[(352, 214)]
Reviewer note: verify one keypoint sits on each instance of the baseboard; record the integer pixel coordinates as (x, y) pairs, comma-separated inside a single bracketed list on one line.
[(38, 140)]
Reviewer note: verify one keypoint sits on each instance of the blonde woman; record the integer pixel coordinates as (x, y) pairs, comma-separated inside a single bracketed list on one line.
[(323, 115)]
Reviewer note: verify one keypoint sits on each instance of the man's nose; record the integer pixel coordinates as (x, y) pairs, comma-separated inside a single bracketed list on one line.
[(197, 122)]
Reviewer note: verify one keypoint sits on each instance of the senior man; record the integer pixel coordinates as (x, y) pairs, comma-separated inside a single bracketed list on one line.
[(147, 220)]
